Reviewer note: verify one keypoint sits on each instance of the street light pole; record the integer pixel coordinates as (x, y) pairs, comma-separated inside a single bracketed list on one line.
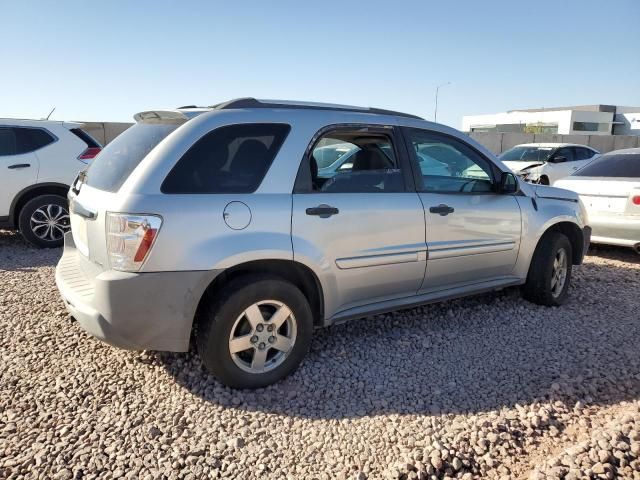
[(435, 113)]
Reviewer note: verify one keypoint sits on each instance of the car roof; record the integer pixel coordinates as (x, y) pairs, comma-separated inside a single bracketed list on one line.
[(190, 111), (552, 145), (42, 123), (326, 113)]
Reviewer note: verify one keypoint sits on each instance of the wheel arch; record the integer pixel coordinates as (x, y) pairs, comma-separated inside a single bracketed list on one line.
[(297, 273), (31, 192), (575, 235)]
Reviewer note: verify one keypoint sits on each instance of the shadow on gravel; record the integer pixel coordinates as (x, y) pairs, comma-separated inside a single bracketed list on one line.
[(472, 355), (614, 253), (18, 255)]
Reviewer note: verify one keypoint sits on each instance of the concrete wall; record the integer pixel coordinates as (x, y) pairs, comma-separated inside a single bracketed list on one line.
[(104, 132), (499, 142)]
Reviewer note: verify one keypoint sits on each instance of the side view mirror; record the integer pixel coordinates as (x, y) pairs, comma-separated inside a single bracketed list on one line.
[(558, 159), (508, 183)]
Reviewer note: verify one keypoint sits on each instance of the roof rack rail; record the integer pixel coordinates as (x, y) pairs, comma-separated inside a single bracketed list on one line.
[(250, 102), (187, 106)]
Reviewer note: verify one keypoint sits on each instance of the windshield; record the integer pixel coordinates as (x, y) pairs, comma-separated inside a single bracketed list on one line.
[(613, 165), (113, 165), (526, 154)]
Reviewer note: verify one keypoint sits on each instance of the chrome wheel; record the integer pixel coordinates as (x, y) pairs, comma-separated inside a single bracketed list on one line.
[(559, 272), (50, 222), (263, 336)]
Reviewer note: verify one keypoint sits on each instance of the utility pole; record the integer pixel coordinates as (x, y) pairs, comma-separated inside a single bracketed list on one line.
[(435, 113)]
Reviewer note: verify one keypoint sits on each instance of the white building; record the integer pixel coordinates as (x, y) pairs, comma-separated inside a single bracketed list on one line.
[(582, 119)]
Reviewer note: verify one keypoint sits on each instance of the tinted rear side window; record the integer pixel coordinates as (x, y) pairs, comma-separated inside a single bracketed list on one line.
[(85, 137), (109, 170), (231, 159), (18, 140), (7, 142), (614, 165)]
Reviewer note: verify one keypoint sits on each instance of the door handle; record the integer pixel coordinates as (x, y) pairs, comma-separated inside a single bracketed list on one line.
[(442, 210), (19, 165), (323, 211)]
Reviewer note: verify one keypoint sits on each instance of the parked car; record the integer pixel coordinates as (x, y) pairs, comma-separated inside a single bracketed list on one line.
[(38, 161), (338, 158), (609, 187), (218, 220), (545, 163)]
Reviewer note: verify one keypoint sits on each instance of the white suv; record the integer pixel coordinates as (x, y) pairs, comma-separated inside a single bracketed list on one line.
[(545, 163), (38, 161)]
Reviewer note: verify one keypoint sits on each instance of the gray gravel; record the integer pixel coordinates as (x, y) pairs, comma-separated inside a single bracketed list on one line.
[(490, 387)]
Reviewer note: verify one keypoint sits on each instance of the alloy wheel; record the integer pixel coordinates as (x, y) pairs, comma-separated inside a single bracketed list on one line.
[(559, 272), (50, 222), (263, 336)]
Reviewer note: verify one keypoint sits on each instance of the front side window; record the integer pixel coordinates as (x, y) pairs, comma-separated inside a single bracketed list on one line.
[(564, 154), (615, 165), (448, 165), (231, 159), (20, 140), (354, 161)]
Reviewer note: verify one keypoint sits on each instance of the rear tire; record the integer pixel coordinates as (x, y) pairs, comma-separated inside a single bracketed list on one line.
[(550, 271), (255, 331), (44, 220)]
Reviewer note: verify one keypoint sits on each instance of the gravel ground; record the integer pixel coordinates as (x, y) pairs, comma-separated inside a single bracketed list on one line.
[(490, 386)]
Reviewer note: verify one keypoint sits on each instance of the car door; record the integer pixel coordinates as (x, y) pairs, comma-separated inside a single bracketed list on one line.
[(472, 232), (18, 166), (362, 228), (561, 164)]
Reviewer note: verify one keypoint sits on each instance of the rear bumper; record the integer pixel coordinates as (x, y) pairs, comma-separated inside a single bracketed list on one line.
[(135, 311), (623, 230)]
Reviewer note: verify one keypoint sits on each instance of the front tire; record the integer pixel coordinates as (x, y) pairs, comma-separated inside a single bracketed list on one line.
[(44, 220), (550, 271), (255, 331), (543, 180)]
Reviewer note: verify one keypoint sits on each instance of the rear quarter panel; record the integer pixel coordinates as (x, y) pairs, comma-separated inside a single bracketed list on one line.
[(195, 236)]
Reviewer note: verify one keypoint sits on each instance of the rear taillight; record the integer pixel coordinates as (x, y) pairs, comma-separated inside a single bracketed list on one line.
[(635, 200), (89, 153), (129, 239)]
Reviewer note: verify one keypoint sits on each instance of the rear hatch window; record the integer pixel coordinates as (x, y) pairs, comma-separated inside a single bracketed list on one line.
[(119, 158)]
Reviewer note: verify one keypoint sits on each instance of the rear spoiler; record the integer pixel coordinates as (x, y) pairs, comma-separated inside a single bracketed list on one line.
[(169, 115)]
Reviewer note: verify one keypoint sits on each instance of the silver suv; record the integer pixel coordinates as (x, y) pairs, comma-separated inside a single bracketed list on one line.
[(216, 224)]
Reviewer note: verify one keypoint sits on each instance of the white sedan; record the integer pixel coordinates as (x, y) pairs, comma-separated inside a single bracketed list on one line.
[(610, 191), (545, 163)]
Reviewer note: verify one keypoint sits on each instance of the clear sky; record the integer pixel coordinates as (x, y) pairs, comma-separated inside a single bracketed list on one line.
[(105, 60)]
